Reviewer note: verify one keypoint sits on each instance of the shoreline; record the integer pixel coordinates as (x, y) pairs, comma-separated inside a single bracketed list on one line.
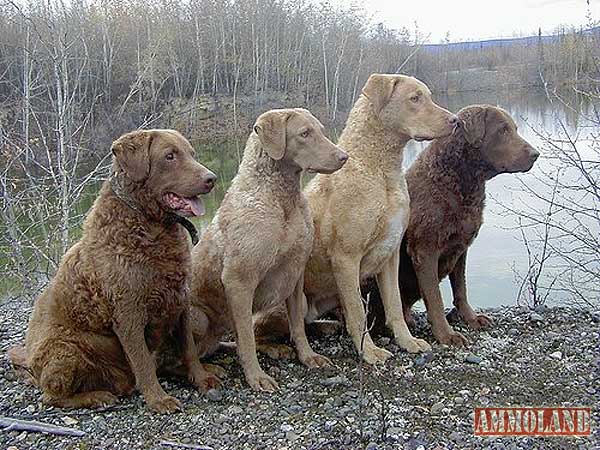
[(427, 400)]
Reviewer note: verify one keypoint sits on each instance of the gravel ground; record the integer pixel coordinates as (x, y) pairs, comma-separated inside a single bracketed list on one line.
[(544, 358)]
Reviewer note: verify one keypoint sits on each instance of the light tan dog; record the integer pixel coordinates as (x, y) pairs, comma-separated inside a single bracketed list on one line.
[(121, 291), (361, 212), (253, 254)]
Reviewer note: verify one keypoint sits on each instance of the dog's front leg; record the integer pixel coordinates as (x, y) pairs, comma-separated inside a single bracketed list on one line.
[(387, 281), (129, 328), (346, 270), (426, 268), (197, 374), (239, 291), (459, 294), (297, 308)]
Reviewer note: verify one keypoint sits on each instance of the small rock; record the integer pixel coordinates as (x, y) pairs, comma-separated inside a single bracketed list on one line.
[(437, 407), (286, 428), (69, 421), (420, 361), (214, 395), (335, 381), (540, 309), (473, 359), (394, 431), (329, 425), (291, 436), (536, 318), (455, 436), (371, 446), (295, 409), (459, 400), (384, 341), (513, 332), (596, 316), (30, 409), (234, 410), (521, 360), (556, 355)]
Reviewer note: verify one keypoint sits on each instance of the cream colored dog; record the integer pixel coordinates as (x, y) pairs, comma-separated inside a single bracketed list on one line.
[(253, 254), (361, 212)]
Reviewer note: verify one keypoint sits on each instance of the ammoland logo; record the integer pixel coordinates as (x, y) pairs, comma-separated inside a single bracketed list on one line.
[(526, 421)]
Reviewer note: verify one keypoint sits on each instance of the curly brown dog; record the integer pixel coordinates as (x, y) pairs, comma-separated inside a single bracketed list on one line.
[(447, 197), (123, 287), (253, 254)]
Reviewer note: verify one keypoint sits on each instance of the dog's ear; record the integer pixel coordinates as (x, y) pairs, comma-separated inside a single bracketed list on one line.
[(271, 129), (473, 119), (132, 152), (379, 89)]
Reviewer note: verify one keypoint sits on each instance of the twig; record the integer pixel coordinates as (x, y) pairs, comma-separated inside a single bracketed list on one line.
[(179, 445), (38, 427)]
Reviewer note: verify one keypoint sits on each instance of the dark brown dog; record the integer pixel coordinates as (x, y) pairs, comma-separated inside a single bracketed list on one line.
[(447, 197), (123, 287)]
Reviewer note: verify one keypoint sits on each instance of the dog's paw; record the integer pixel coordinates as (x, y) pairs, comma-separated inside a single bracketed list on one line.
[(276, 351), (452, 338), (375, 355), (206, 381), (480, 322), (99, 399), (165, 405), (313, 360), (216, 370), (413, 345), (260, 381)]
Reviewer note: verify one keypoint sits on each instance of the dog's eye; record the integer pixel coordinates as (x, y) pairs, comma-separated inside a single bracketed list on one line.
[(305, 133), (170, 156), (415, 98)]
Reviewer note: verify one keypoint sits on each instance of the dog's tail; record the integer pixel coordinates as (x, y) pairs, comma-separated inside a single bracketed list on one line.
[(18, 356)]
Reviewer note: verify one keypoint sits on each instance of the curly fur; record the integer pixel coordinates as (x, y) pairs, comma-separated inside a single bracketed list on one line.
[(118, 292)]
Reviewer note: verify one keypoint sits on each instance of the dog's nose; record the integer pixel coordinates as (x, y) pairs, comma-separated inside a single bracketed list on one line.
[(534, 154), (210, 180), (343, 156), (453, 120)]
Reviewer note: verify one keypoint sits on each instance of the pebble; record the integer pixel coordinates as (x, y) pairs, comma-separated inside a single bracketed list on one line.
[(459, 400), (513, 332), (437, 408), (473, 359), (295, 409), (235, 410), (335, 381), (556, 355), (384, 341), (455, 436), (329, 424), (286, 427), (30, 409), (371, 446), (536, 318), (214, 395)]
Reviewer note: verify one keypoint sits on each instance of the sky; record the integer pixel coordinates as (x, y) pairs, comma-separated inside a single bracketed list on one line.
[(475, 20)]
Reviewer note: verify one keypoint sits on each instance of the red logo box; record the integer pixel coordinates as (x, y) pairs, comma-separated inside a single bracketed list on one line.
[(525, 421)]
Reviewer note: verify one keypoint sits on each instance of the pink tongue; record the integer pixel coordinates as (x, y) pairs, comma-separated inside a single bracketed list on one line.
[(196, 205)]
